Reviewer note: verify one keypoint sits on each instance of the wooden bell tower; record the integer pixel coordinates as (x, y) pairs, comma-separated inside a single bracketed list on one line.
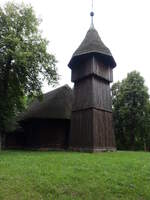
[(91, 122)]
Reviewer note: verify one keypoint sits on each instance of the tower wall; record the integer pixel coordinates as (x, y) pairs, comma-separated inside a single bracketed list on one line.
[(103, 133), (91, 66), (81, 138), (91, 123), (91, 131)]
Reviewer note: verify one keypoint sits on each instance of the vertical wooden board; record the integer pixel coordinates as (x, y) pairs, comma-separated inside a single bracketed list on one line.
[(110, 130), (101, 70), (97, 136), (83, 70), (83, 94), (92, 92), (110, 74), (46, 133), (101, 94), (103, 133), (81, 130), (98, 133), (91, 66)]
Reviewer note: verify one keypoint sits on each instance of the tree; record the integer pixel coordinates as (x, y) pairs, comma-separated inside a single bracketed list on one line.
[(144, 137), (24, 60), (131, 112)]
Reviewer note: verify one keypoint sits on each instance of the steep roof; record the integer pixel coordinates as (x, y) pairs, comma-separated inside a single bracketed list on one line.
[(92, 44), (56, 104)]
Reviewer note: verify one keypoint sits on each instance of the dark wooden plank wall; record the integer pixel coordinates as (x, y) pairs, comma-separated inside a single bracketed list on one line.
[(92, 131), (83, 94), (47, 133), (82, 70), (101, 94), (91, 122), (40, 134), (102, 70), (92, 67), (92, 92), (15, 140), (81, 137), (103, 130)]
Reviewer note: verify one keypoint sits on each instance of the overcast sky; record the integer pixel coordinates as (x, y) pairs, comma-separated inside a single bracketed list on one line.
[(123, 25)]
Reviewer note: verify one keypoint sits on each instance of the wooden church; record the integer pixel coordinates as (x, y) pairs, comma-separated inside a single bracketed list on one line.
[(89, 126)]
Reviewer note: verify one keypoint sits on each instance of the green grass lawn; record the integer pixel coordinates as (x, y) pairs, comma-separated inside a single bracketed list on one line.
[(67, 176)]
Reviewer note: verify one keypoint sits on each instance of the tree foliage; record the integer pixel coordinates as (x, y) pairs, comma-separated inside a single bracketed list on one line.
[(24, 60), (131, 112)]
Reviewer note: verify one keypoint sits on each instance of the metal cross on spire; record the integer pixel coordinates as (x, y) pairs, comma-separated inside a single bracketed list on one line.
[(92, 15)]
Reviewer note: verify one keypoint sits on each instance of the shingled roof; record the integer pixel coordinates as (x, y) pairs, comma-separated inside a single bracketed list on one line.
[(56, 104), (92, 44)]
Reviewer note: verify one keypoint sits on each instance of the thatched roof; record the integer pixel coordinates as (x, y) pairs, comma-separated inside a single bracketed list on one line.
[(56, 104), (92, 44)]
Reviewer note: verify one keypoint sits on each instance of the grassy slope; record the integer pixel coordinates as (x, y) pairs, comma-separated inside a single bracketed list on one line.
[(66, 176)]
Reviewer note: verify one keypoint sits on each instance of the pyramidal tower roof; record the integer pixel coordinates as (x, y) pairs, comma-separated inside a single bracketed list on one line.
[(92, 44)]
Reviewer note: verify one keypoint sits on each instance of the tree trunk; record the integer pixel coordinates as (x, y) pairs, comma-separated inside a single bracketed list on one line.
[(145, 147), (4, 91), (132, 141), (0, 141)]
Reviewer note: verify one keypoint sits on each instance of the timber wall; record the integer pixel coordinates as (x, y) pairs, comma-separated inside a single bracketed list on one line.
[(40, 134), (91, 122), (92, 66), (91, 130)]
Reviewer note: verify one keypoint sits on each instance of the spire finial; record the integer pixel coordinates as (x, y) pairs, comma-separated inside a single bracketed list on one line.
[(92, 15)]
